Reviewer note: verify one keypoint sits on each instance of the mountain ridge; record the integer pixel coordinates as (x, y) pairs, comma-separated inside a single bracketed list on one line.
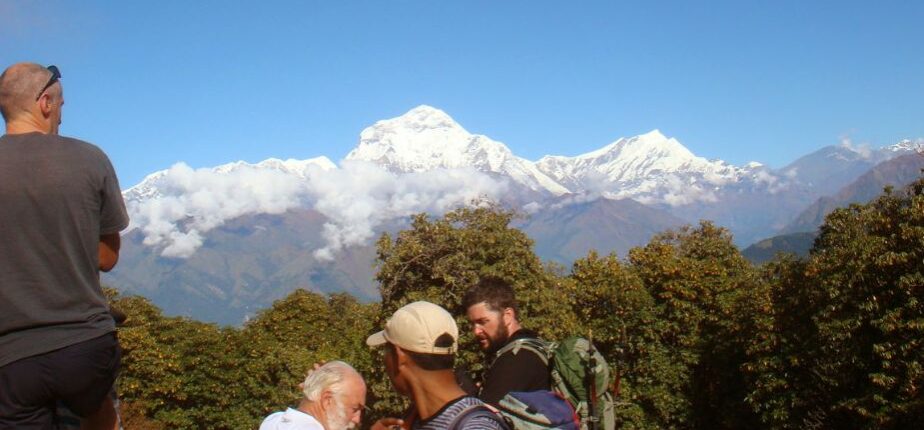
[(239, 235)]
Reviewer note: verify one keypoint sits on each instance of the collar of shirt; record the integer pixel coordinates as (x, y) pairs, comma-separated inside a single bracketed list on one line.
[(303, 420)]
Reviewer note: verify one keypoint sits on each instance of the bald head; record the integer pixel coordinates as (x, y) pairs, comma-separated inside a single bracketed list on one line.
[(20, 84)]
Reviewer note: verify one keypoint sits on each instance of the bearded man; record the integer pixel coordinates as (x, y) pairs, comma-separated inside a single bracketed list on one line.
[(491, 308)]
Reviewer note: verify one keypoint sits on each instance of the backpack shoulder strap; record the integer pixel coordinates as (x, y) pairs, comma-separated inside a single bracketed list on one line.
[(536, 346), (484, 409)]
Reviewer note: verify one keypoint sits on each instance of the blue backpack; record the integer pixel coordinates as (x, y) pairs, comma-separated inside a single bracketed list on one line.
[(538, 410)]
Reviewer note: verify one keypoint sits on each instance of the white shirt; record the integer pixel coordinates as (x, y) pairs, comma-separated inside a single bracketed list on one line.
[(291, 419)]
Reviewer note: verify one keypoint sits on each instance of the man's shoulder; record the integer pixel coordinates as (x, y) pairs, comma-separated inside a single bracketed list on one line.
[(465, 413), (82, 145), (271, 421), (290, 419), (524, 340), (56, 143)]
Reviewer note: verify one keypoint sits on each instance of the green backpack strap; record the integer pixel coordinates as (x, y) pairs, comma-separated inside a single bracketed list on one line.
[(536, 346)]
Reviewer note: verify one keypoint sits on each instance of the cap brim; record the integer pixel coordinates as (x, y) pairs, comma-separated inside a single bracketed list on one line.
[(377, 339)]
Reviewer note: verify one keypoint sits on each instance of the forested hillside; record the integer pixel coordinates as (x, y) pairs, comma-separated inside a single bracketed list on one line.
[(699, 336)]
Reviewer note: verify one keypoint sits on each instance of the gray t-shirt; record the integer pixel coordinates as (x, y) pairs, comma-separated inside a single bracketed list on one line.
[(57, 196)]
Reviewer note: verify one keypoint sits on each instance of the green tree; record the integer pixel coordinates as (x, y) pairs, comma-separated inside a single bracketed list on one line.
[(439, 259), (704, 292), (852, 336), (176, 371), (183, 374), (612, 304), (777, 365), (282, 344)]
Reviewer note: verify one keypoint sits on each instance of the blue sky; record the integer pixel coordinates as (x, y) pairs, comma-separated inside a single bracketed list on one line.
[(210, 82)]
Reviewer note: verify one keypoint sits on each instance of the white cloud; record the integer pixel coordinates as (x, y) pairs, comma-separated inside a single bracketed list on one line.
[(576, 199), (356, 198), (774, 183), (532, 207), (863, 149), (678, 193), (193, 202), (361, 196)]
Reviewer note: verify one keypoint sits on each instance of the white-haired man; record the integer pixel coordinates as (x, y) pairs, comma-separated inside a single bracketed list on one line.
[(335, 396)]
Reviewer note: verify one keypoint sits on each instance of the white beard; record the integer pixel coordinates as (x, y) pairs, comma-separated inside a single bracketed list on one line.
[(339, 420)]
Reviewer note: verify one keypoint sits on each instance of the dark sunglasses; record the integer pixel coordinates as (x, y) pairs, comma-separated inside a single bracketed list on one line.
[(55, 75)]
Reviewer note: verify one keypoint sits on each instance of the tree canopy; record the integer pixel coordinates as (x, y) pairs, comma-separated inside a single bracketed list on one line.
[(698, 337)]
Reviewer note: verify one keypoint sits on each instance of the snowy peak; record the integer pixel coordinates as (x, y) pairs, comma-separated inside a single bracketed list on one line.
[(847, 151), (642, 167), (652, 145), (150, 186), (421, 118), (905, 146), (426, 138)]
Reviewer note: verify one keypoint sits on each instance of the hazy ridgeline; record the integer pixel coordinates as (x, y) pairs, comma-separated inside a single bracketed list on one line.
[(700, 337)]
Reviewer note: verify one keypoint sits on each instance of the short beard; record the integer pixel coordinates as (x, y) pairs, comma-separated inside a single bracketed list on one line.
[(498, 341), (339, 419)]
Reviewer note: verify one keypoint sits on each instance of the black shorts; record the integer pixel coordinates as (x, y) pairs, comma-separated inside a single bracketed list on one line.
[(79, 376)]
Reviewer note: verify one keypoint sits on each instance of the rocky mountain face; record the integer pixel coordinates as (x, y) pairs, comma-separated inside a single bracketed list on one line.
[(243, 266), (220, 243), (569, 227), (896, 173), (798, 244)]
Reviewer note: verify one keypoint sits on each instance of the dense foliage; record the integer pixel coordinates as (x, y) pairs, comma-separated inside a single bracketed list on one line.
[(699, 337)]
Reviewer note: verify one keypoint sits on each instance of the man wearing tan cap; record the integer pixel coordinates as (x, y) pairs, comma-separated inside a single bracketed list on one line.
[(420, 346)]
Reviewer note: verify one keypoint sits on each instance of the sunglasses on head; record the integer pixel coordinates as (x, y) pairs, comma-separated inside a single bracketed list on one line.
[(55, 75)]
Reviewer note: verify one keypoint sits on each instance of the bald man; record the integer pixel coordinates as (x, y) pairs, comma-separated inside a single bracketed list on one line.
[(60, 219)]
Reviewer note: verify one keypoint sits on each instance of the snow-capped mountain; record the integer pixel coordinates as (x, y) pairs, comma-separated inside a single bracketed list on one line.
[(828, 169), (426, 138), (650, 168), (152, 185), (241, 235), (905, 146), (752, 200)]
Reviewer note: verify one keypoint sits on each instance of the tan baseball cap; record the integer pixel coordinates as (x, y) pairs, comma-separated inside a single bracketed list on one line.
[(416, 326)]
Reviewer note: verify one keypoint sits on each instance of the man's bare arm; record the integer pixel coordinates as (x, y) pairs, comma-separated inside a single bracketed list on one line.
[(109, 251)]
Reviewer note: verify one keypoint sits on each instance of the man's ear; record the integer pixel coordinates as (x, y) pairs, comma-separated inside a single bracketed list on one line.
[(327, 398), (46, 105), (401, 358), (509, 315)]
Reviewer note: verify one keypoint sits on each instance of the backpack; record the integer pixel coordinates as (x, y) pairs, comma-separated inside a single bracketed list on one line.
[(576, 367), (541, 409)]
